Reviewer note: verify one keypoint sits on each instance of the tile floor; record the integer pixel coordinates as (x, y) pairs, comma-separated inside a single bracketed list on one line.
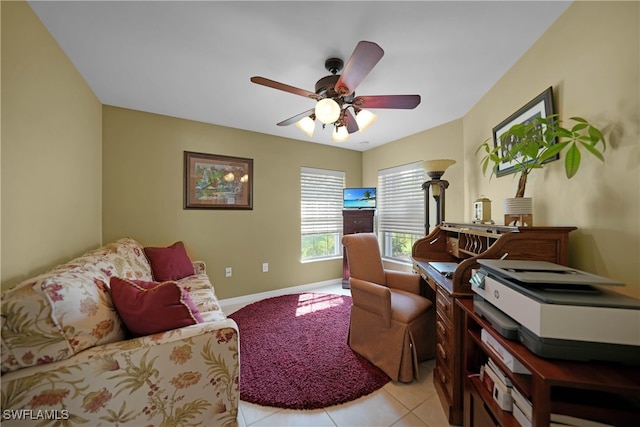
[(396, 404)]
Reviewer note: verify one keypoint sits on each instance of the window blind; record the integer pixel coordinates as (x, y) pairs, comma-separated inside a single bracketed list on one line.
[(321, 201), (401, 199)]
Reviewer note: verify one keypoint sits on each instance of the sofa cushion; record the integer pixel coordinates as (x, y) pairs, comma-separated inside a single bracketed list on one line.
[(29, 337), (170, 263), (81, 306), (151, 307), (123, 258), (68, 309), (203, 295)]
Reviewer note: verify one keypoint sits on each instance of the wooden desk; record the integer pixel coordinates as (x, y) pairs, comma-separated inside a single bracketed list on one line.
[(465, 244)]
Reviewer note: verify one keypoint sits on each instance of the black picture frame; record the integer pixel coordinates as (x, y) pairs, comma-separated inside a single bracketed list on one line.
[(540, 106), (213, 181)]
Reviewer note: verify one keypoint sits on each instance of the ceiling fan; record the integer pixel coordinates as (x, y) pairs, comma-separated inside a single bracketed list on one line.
[(335, 95)]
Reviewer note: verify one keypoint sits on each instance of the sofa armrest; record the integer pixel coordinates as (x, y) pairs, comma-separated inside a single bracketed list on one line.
[(372, 297), (199, 267), (188, 373), (403, 280)]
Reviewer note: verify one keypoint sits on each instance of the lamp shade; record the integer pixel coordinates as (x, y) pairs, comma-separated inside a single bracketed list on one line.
[(435, 168), (306, 125), (365, 118), (340, 134), (327, 111)]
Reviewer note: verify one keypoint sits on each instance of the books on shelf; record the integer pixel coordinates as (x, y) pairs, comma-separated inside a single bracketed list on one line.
[(501, 392), (522, 408), (566, 420), (520, 417), (486, 379), (501, 353), (494, 367), (523, 413)]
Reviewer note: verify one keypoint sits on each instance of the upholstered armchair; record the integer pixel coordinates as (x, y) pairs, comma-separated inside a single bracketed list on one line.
[(391, 324)]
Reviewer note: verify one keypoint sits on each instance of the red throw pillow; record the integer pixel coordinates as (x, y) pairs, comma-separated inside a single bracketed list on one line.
[(150, 307), (171, 263)]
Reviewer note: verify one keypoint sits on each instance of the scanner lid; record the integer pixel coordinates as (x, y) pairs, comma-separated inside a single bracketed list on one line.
[(543, 272)]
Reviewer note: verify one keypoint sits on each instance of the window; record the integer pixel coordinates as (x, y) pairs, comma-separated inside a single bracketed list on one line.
[(400, 210), (321, 213)]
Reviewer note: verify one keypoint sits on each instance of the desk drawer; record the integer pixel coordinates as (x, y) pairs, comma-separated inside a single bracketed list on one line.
[(444, 305), (443, 381), (444, 343)]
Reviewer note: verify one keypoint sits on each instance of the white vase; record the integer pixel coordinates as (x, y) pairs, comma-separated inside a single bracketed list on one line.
[(518, 211)]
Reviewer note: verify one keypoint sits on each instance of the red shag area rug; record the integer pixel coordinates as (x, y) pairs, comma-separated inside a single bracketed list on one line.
[(294, 353)]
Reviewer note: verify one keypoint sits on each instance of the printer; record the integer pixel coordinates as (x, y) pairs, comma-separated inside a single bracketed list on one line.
[(558, 312)]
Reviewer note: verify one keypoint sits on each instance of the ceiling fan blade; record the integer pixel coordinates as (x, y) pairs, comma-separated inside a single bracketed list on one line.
[(365, 56), (296, 118), (352, 125), (284, 87), (406, 102)]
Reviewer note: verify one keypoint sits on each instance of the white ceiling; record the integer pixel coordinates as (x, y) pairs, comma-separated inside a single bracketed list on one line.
[(193, 59)]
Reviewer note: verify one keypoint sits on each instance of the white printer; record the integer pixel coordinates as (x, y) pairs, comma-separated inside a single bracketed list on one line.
[(558, 312)]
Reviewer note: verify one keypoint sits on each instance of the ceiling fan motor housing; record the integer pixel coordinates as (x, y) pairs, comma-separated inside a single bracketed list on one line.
[(326, 86), (333, 65)]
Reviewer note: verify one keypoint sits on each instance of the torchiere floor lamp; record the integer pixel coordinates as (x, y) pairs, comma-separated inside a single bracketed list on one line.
[(435, 169)]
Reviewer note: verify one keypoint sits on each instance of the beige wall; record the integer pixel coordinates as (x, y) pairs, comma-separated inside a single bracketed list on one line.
[(143, 198), (51, 151), (590, 56), (599, 80)]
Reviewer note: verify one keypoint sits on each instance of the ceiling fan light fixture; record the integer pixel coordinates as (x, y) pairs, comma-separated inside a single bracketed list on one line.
[(340, 134), (364, 119), (327, 111), (306, 125)]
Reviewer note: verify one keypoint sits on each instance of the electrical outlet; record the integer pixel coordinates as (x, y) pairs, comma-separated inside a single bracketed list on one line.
[(227, 272), (265, 267)]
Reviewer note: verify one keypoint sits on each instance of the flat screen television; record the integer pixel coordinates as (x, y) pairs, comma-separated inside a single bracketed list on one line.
[(359, 198)]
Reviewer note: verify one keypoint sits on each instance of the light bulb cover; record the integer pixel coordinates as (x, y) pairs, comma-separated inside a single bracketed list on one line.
[(327, 111), (364, 119), (340, 134), (306, 125)]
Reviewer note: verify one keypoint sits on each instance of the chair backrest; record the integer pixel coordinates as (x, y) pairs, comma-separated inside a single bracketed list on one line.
[(363, 256)]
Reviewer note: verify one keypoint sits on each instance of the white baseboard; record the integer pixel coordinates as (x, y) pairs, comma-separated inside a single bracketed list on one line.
[(248, 299)]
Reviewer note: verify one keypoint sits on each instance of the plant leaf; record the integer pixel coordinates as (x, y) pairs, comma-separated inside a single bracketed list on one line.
[(572, 161), (593, 150), (563, 133), (552, 151), (596, 135), (578, 127)]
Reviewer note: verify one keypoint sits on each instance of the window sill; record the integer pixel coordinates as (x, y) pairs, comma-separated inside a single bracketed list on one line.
[(395, 264), (331, 258)]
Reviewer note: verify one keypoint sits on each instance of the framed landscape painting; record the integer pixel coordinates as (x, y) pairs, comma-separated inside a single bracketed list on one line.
[(540, 106), (212, 181)]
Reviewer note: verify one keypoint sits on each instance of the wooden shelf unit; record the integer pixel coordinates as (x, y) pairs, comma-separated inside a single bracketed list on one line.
[(605, 393), (465, 244)]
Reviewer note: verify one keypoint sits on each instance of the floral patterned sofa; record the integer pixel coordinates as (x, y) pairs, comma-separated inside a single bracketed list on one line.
[(68, 358)]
